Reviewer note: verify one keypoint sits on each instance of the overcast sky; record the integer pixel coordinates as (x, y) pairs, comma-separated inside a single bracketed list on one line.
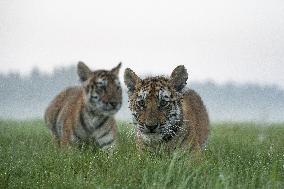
[(221, 40)]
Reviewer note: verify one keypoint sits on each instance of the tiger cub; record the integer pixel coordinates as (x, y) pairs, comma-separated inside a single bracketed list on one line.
[(165, 113), (85, 114)]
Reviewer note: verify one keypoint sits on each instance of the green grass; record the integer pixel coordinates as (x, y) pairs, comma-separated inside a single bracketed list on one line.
[(237, 156)]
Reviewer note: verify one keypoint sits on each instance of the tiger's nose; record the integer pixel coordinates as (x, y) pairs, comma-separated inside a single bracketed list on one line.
[(151, 127), (113, 104)]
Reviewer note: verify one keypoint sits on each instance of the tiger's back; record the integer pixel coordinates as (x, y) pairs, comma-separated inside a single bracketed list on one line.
[(64, 98), (64, 109)]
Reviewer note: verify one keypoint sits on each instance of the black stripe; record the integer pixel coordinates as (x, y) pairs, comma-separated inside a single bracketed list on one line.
[(88, 130), (167, 138), (175, 129), (102, 123), (105, 133), (184, 138), (82, 121), (54, 130), (77, 136), (107, 143)]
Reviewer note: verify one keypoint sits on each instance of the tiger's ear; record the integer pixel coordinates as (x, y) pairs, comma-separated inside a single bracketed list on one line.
[(179, 77), (83, 71), (131, 80), (116, 69)]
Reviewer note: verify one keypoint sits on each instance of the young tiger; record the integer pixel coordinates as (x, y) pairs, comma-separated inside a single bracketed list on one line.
[(85, 114), (165, 113)]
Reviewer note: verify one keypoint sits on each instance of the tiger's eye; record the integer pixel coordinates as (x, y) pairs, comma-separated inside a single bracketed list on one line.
[(99, 83), (103, 87), (164, 103), (141, 103)]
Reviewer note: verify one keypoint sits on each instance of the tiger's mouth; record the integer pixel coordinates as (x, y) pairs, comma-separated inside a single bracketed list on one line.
[(161, 132), (145, 129), (110, 107), (106, 107)]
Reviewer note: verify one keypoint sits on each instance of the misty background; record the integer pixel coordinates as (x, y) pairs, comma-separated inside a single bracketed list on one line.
[(28, 96), (233, 50)]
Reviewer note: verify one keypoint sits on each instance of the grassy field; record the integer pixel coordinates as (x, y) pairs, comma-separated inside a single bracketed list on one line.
[(237, 156)]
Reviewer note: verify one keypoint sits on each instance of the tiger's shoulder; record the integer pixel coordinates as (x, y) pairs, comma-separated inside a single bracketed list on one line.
[(196, 119)]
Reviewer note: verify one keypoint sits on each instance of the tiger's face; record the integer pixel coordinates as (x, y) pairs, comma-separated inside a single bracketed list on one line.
[(155, 103), (102, 89)]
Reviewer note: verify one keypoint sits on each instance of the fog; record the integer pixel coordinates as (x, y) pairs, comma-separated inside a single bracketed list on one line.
[(26, 97)]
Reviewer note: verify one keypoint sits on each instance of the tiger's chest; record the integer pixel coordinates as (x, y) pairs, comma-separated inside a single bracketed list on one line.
[(90, 126)]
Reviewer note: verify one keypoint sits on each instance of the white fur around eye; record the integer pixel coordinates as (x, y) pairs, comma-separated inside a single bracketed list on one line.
[(142, 94), (101, 82), (164, 95)]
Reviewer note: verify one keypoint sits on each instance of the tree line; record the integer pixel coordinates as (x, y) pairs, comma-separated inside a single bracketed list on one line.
[(27, 96)]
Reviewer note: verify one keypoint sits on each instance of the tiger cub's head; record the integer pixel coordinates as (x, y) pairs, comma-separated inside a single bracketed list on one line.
[(102, 89), (155, 102)]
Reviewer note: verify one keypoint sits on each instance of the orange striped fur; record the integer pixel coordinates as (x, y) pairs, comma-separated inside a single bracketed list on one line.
[(85, 114), (165, 113)]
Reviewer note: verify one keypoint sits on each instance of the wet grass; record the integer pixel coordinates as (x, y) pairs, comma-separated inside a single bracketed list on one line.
[(237, 156)]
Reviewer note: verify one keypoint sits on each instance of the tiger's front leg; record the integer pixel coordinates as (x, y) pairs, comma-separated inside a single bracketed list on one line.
[(106, 139)]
